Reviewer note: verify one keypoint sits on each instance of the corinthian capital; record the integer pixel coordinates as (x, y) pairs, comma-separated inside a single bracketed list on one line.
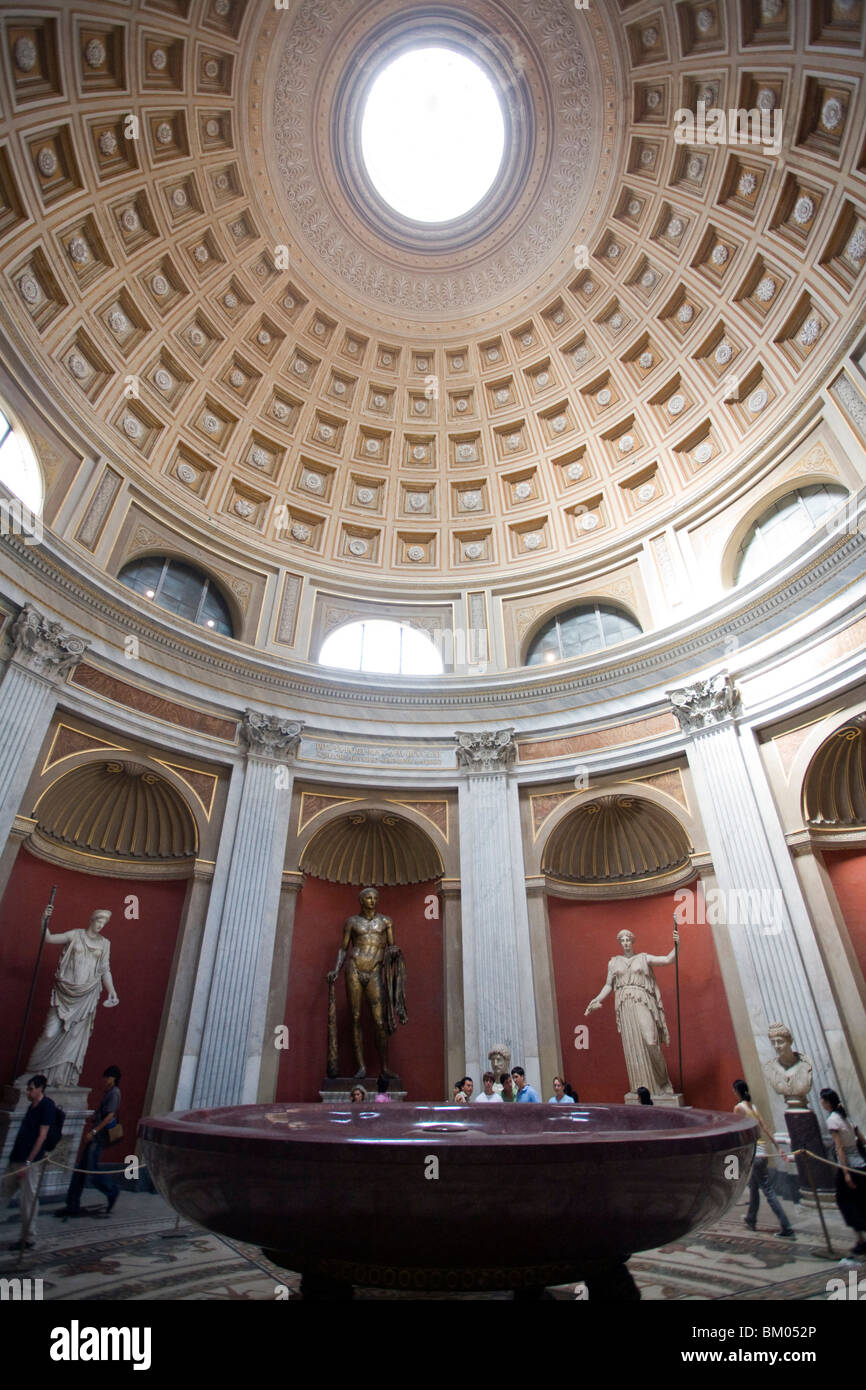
[(705, 703), (487, 752), (43, 647), (270, 736)]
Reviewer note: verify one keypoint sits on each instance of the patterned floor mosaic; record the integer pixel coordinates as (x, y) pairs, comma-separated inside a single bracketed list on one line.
[(144, 1252)]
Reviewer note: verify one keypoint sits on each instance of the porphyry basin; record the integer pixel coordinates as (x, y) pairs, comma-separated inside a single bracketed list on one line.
[(450, 1197)]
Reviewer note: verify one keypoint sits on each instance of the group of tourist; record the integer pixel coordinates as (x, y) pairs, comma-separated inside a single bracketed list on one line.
[(37, 1135), (511, 1086), (850, 1175)]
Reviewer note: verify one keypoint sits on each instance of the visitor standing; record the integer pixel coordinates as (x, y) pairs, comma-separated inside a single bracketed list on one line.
[(26, 1159)]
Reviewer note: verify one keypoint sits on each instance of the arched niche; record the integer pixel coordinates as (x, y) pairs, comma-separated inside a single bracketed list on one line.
[(617, 859), (341, 850)]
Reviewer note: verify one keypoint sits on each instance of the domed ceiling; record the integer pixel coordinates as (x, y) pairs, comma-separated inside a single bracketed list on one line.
[(197, 270)]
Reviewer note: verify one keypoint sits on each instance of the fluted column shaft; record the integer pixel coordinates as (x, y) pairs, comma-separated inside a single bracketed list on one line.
[(499, 1003), (779, 983), (233, 1036)]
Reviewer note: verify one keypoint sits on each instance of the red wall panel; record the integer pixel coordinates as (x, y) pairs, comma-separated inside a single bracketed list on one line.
[(583, 939), (417, 1049), (141, 956), (847, 870)]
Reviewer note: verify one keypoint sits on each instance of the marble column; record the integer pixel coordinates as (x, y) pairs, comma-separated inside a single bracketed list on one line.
[(780, 972), (235, 1021), (498, 997), (43, 654)]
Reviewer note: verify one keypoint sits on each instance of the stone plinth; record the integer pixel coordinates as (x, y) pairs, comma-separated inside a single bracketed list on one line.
[(670, 1102), (805, 1133)]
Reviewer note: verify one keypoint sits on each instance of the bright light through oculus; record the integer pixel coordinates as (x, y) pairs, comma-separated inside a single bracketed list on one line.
[(432, 134)]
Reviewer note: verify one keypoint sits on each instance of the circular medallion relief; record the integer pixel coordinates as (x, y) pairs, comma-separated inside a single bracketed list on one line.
[(186, 473), (79, 251), (357, 546), (259, 457), (415, 553)]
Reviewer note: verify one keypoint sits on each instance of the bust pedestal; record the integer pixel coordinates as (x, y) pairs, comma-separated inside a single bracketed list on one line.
[(805, 1133)]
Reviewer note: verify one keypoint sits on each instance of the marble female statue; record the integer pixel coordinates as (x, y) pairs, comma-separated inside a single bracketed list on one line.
[(82, 971), (640, 1017)]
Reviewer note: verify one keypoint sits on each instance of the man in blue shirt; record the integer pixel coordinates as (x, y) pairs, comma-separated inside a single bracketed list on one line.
[(524, 1092), (25, 1167)]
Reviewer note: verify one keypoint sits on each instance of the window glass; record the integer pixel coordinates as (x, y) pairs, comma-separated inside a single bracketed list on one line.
[(381, 646), (785, 524), (579, 630), (182, 589), (19, 471)]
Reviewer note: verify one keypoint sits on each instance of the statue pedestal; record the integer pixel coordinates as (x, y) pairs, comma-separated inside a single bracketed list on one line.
[(672, 1101), (337, 1090), (805, 1133), (72, 1099)]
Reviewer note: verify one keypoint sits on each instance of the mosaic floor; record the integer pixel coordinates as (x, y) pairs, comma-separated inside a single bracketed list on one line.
[(144, 1252)]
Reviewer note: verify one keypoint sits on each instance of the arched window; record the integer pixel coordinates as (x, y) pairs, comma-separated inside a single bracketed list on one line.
[(180, 588), (785, 525), (579, 630), (387, 648), (19, 471)]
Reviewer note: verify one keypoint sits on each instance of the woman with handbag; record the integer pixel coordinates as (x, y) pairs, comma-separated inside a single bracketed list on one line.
[(851, 1154), (103, 1129)]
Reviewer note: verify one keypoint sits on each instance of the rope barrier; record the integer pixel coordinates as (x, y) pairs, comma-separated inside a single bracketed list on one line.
[(830, 1162), (100, 1172)]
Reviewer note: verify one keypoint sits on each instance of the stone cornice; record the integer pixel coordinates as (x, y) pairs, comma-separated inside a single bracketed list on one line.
[(656, 665)]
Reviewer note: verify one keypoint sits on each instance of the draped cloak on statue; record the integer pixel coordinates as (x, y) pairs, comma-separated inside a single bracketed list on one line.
[(74, 999), (640, 1019)]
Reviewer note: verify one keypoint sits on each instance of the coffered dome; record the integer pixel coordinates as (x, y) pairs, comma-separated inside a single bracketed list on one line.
[(200, 278)]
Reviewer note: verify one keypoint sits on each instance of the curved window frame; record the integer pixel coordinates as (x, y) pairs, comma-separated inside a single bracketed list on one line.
[(13, 437), (754, 537), (364, 623), (215, 618), (552, 627)]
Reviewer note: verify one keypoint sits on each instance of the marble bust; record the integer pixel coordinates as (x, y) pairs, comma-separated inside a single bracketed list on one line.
[(499, 1058), (788, 1072)]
